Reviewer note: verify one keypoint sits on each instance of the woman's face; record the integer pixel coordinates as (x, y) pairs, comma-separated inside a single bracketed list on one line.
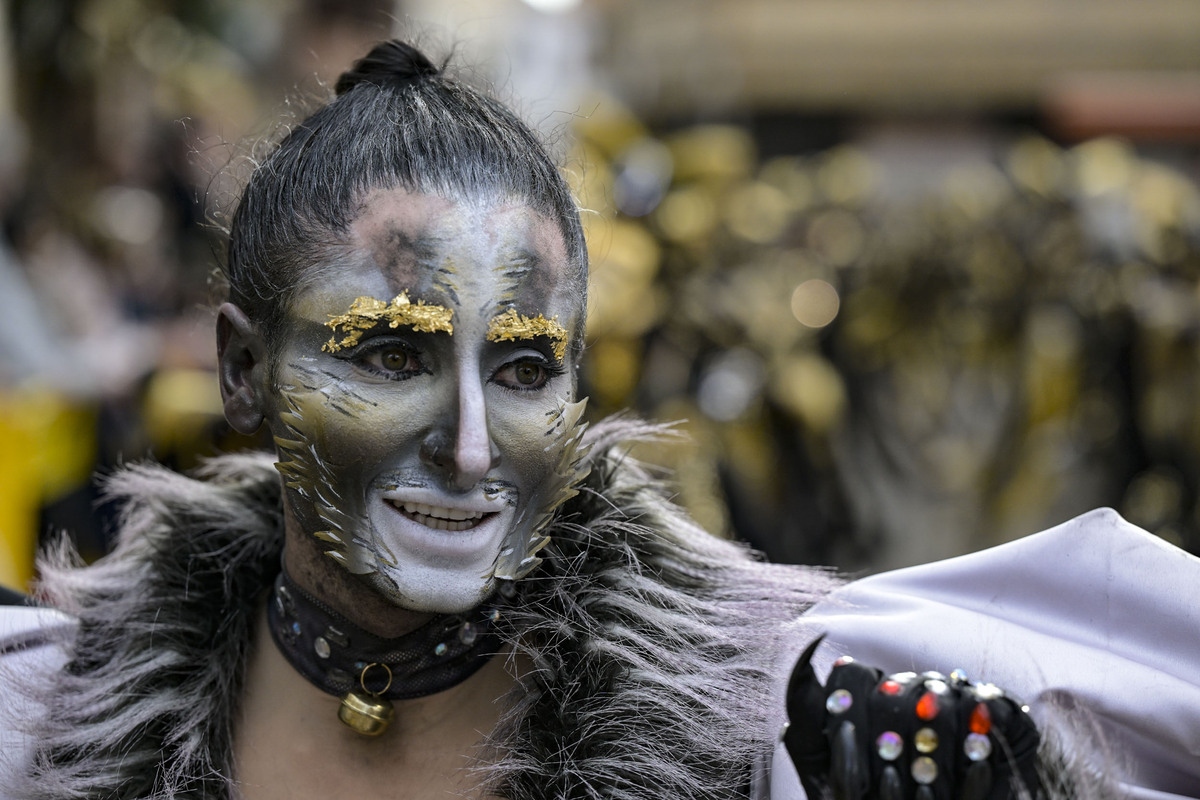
[(417, 399)]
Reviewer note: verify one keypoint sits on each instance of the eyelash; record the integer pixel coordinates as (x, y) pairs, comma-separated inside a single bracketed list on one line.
[(359, 355)]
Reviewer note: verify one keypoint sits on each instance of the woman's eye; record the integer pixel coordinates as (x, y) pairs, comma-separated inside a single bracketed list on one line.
[(393, 359), (523, 375)]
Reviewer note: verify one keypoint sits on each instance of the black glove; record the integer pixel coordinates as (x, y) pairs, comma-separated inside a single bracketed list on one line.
[(929, 736)]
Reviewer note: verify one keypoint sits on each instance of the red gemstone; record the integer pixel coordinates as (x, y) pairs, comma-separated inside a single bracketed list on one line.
[(981, 720), (890, 687), (927, 706)]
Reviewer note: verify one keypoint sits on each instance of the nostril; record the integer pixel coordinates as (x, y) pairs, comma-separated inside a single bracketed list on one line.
[(437, 450)]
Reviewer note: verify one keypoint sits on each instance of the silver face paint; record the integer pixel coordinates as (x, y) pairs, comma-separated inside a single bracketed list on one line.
[(429, 461)]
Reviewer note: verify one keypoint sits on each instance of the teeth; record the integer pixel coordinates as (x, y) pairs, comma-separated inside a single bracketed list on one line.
[(442, 513), (443, 524), (441, 518)]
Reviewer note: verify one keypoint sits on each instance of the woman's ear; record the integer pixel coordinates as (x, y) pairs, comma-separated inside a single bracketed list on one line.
[(241, 362)]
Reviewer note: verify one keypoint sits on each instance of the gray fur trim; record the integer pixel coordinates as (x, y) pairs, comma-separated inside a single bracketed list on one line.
[(146, 704), (1074, 761), (653, 643)]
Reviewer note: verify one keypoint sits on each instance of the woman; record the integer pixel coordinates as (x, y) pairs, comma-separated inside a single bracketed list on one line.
[(443, 585)]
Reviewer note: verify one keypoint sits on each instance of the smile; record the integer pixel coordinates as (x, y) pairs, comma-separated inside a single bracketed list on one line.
[(440, 518)]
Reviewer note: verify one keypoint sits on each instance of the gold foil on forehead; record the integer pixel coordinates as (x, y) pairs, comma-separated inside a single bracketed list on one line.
[(367, 312), (511, 326)]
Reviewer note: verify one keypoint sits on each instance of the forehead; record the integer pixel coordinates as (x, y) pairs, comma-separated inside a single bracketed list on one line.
[(479, 256), (409, 235)]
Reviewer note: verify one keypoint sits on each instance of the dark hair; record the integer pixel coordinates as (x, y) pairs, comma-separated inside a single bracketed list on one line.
[(397, 121)]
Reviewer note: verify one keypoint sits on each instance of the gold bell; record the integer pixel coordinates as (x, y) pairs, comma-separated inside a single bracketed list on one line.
[(366, 712), (367, 715)]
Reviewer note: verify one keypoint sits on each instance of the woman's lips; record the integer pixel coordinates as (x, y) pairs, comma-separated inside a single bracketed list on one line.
[(441, 518)]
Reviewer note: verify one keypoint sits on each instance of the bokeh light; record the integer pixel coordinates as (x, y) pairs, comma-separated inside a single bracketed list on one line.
[(815, 303)]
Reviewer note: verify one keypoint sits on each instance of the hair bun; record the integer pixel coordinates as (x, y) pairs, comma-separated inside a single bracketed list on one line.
[(393, 63)]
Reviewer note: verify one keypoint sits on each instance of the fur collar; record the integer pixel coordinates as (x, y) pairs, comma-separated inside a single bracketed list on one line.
[(653, 642)]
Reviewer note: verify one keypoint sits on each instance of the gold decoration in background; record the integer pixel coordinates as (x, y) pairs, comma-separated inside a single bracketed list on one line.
[(837, 236), (712, 152), (757, 212), (810, 387), (815, 303), (613, 368), (789, 175), (624, 299), (609, 128), (688, 215), (1036, 166), (367, 312), (982, 359), (846, 176), (179, 407), (1103, 166)]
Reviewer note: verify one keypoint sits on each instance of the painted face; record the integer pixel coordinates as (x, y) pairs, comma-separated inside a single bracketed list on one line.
[(425, 421)]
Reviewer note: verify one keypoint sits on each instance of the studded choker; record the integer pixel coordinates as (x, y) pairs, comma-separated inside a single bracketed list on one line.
[(367, 671)]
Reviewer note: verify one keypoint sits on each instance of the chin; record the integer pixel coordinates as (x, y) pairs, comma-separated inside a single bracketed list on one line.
[(431, 591)]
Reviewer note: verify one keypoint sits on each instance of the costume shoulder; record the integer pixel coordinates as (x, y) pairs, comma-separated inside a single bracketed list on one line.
[(1093, 623), (30, 646), (144, 704)]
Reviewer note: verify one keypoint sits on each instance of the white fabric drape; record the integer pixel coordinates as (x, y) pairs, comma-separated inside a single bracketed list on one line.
[(1096, 616)]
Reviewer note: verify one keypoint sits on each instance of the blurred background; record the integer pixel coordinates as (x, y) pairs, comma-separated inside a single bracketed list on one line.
[(915, 276)]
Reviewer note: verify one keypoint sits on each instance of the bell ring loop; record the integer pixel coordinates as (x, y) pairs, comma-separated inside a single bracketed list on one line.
[(362, 678)]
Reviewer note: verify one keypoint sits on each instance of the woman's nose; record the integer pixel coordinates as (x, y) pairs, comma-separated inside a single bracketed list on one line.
[(463, 449)]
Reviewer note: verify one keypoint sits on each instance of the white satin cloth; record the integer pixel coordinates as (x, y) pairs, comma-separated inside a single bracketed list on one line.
[(1095, 615), (21, 626)]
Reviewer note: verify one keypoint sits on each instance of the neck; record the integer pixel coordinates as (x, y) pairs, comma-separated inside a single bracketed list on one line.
[(289, 735)]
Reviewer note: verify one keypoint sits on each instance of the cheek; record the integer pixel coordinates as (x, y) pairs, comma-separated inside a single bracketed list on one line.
[(520, 428), (366, 434), (392, 426)]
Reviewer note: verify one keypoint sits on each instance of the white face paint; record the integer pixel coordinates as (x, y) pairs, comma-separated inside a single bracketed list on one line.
[(414, 454)]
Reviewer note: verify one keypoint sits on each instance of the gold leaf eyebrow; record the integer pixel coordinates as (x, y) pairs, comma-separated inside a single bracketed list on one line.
[(367, 312), (511, 326)]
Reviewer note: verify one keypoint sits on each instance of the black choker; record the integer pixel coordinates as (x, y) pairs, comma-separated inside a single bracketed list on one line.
[(368, 671)]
